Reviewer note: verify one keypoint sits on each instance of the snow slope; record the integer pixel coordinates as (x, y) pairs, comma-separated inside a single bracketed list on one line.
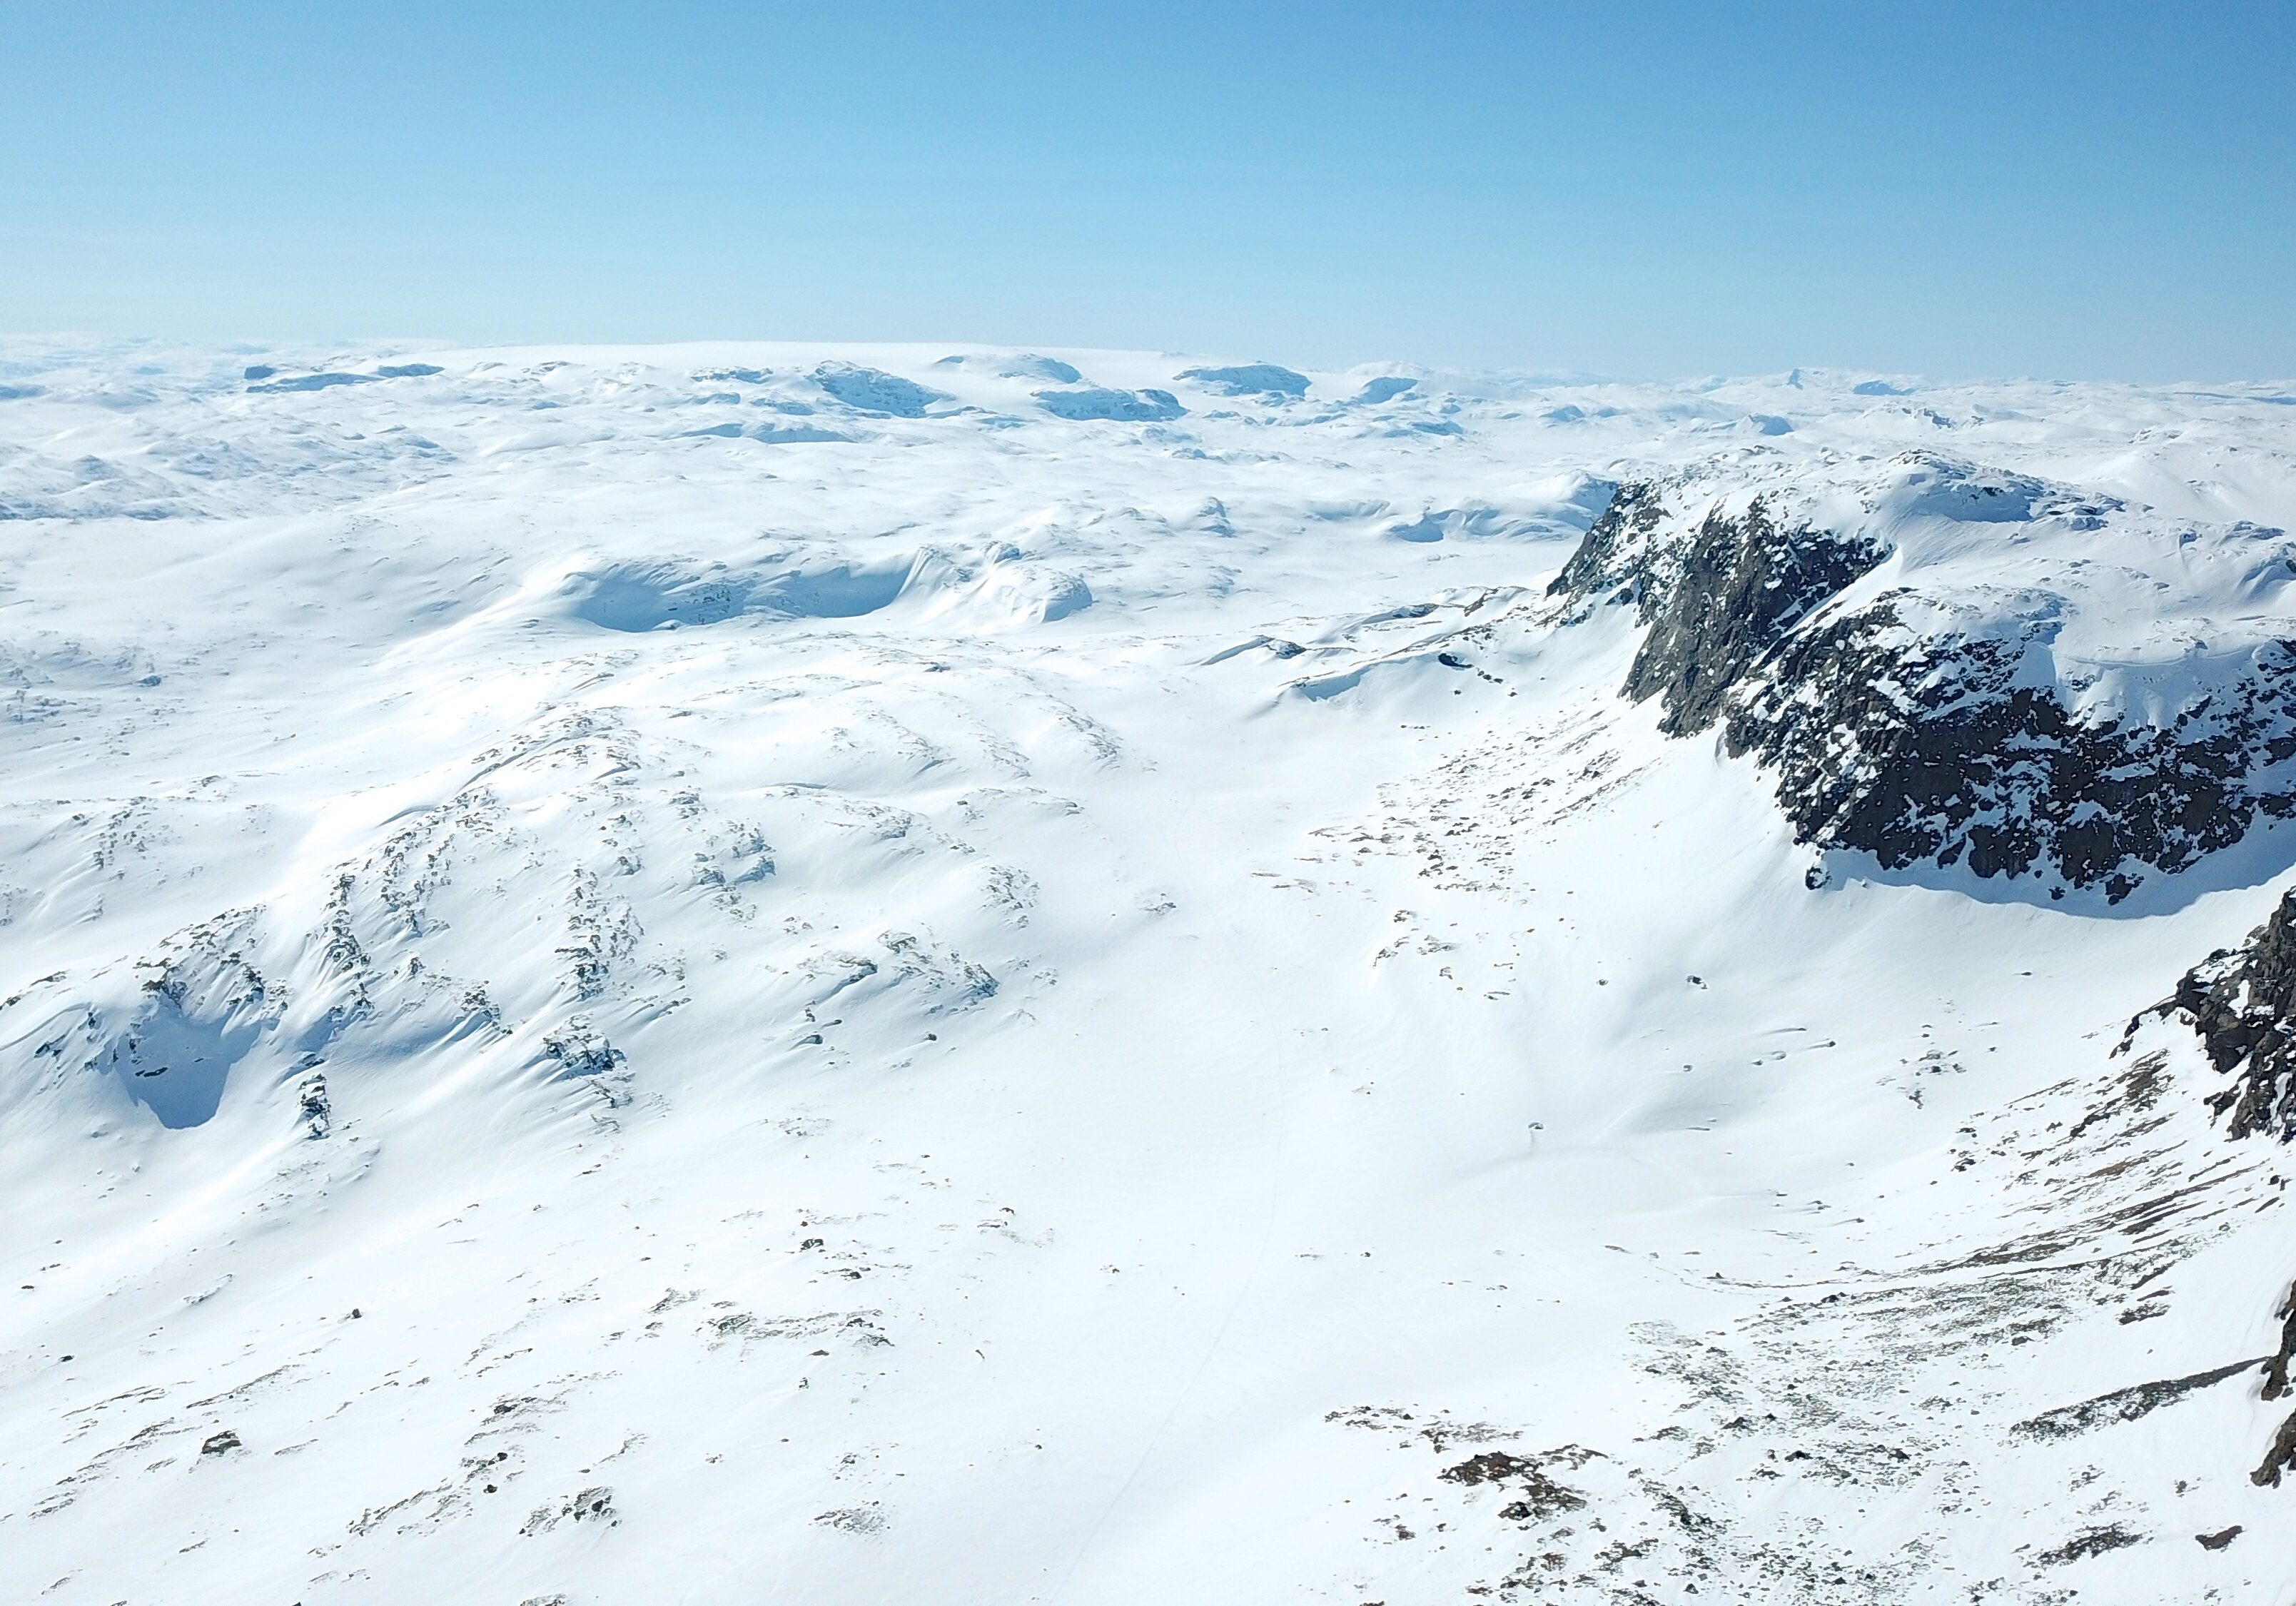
[(734, 973)]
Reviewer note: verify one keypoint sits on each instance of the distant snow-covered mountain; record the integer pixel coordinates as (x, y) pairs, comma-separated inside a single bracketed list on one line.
[(850, 973)]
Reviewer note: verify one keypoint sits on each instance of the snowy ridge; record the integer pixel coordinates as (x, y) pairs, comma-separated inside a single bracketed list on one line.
[(1945, 662), (667, 973)]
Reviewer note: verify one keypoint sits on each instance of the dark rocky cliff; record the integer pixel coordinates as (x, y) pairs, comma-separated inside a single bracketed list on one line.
[(1921, 747), (2243, 1003), (1608, 557), (1917, 728), (1742, 584)]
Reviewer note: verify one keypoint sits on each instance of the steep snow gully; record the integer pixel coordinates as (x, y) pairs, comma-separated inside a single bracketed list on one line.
[(757, 973)]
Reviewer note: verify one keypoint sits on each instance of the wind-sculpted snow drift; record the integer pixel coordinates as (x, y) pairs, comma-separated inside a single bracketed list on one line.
[(711, 972)]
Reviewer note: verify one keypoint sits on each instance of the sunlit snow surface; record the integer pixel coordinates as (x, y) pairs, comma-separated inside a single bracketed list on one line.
[(752, 973)]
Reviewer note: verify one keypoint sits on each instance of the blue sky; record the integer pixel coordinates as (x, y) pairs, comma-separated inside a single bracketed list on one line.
[(1646, 190)]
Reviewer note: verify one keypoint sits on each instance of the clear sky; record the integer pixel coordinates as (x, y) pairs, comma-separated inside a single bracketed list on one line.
[(2094, 190)]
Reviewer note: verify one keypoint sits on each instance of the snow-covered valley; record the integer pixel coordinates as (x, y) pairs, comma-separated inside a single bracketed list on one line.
[(727, 974)]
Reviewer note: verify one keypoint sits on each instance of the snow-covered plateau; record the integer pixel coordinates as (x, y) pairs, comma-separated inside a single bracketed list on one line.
[(730, 974)]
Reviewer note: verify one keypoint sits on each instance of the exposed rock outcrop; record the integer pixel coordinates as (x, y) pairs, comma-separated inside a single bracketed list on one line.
[(1742, 584), (2243, 1003), (2279, 1456), (1938, 722), (1921, 745), (1612, 553)]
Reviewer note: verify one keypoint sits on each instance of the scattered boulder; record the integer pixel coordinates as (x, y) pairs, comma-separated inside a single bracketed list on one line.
[(2090, 1541), (854, 1520), (594, 1504), (1539, 1495), (316, 1110)]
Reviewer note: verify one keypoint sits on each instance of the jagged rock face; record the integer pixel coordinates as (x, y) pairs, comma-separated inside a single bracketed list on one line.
[(1615, 546), (2242, 1002), (1916, 747), (1743, 584), (1934, 723)]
